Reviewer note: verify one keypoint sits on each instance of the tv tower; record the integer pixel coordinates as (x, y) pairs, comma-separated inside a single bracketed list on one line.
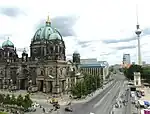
[(138, 33)]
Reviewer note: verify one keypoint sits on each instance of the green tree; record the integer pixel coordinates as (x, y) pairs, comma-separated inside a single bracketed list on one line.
[(76, 90), (88, 85), (7, 99), (2, 98), (111, 69), (13, 100), (129, 72), (20, 100), (146, 74), (27, 102)]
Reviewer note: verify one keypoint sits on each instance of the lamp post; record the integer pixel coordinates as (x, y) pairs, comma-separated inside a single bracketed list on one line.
[(29, 84), (11, 82)]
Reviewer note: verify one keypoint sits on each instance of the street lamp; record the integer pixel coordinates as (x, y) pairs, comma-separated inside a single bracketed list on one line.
[(29, 84)]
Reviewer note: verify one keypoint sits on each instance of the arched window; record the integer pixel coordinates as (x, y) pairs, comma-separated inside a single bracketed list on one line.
[(42, 72), (10, 55)]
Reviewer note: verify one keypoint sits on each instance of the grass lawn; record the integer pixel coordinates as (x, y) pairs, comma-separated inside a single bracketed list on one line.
[(3, 113)]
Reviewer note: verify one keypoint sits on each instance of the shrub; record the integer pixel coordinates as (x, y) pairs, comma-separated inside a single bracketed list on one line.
[(27, 102), (19, 100)]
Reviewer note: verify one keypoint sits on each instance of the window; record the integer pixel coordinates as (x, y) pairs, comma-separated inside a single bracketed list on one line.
[(50, 71), (42, 73)]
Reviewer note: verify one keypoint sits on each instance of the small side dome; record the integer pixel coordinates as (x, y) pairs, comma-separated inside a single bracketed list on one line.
[(55, 36), (7, 43)]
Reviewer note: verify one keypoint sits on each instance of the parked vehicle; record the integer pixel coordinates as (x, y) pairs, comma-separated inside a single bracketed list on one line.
[(139, 94), (142, 93), (68, 109)]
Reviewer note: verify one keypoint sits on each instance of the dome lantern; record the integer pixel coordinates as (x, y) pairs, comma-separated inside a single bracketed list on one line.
[(48, 22)]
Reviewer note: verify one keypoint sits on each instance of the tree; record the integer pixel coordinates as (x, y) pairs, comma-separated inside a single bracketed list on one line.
[(111, 69), (129, 72), (146, 74), (20, 100), (7, 99), (13, 100), (27, 102), (86, 86), (2, 98)]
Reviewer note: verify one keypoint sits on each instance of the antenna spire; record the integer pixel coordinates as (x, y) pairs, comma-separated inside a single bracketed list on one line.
[(137, 26)]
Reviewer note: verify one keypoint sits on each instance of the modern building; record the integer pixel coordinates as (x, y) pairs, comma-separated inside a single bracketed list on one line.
[(143, 62), (94, 67), (45, 70), (106, 68), (126, 60), (89, 61)]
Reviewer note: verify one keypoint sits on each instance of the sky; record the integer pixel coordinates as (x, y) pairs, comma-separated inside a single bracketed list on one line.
[(102, 29)]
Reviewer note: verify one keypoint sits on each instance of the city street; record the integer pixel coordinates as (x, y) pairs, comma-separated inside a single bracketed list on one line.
[(101, 104)]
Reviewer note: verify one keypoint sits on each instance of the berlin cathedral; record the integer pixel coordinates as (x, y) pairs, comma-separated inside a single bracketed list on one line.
[(46, 69)]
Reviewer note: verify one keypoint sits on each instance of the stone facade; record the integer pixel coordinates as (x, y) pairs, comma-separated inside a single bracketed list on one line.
[(45, 70), (137, 78)]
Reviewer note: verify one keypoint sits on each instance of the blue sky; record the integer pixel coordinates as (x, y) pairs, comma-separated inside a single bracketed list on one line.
[(102, 29)]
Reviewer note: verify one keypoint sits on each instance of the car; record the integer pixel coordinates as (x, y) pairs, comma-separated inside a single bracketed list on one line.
[(142, 93), (68, 109), (139, 94)]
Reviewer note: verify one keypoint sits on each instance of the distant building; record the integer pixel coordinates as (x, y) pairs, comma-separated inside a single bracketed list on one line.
[(106, 68), (94, 67), (143, 62), (89, 61), (126, 60)]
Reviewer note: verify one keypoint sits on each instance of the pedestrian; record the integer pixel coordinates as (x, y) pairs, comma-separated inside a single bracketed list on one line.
[(43, 109)]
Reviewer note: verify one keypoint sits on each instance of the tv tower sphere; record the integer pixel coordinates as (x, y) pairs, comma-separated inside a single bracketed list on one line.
[(138, 32)]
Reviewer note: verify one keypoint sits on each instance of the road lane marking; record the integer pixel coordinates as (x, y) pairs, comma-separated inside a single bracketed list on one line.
[(109, 100), (92, 113), (109, 92)]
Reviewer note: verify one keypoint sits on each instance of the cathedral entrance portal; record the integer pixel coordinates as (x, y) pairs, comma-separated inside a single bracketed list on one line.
[(63, 86), (1, 84), (22, 84), (41, 85), (51, 86)]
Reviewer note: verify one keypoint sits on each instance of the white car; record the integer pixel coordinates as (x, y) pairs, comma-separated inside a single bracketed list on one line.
[(35, 104)]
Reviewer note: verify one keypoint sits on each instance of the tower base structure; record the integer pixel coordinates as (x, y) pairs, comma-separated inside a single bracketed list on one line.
[(137, 79)]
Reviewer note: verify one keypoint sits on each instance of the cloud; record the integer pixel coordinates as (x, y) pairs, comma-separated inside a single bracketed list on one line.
[(145, 32), (4, 36), (21, 49), (84, 44), (12, 11), (125, 47), (64, 24), (120, 40)]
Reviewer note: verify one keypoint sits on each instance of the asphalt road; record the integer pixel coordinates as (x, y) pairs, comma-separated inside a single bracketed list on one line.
[(102, 103)]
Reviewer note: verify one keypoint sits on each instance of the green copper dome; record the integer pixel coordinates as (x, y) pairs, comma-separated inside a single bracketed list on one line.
[(47, 33), (7, 43)]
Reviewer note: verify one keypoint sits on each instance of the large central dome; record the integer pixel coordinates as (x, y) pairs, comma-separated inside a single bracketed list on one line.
[(47, 33)]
